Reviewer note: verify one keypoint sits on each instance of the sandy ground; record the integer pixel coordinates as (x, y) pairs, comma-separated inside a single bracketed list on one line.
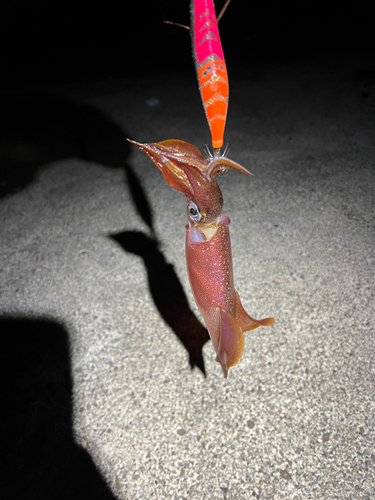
[(92, 240)]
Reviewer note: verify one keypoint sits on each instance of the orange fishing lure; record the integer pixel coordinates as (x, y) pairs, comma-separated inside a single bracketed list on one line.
[(211, 69)]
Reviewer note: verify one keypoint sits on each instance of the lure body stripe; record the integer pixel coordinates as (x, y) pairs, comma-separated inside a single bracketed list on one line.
[(210, 66)]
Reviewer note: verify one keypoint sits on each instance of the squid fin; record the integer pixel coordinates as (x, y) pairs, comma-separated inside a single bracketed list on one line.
[(231, 341), (245, 321)]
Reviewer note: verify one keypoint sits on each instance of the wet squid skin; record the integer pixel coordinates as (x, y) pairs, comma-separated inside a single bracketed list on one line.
[(210, 270), (208, 247)]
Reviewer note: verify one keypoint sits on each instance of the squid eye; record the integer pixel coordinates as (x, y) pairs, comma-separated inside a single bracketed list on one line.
[(193, 211)]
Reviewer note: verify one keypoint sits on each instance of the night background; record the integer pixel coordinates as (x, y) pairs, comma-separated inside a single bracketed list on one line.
[(60, 42), (89, 255)]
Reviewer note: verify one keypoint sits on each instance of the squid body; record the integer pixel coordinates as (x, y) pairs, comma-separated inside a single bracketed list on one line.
[(208, 247)]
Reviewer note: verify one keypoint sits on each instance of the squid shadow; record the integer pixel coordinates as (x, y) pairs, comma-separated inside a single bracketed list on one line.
[(165, 287), (167, 293)]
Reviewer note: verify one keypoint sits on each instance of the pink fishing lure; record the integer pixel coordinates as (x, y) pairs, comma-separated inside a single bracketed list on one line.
[(210, 66)]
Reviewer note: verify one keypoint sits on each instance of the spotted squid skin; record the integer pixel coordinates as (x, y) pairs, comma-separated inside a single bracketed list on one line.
[(210, 271)]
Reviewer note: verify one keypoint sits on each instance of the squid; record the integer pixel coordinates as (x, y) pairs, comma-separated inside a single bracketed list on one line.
[(208, 246)]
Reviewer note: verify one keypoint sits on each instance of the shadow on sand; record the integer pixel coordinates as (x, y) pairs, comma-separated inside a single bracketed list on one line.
[(168, 294), (38, 128), (40, 456)]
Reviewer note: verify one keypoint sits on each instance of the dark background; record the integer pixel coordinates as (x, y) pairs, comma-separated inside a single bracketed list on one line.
[(49, 42), (55, 42)]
